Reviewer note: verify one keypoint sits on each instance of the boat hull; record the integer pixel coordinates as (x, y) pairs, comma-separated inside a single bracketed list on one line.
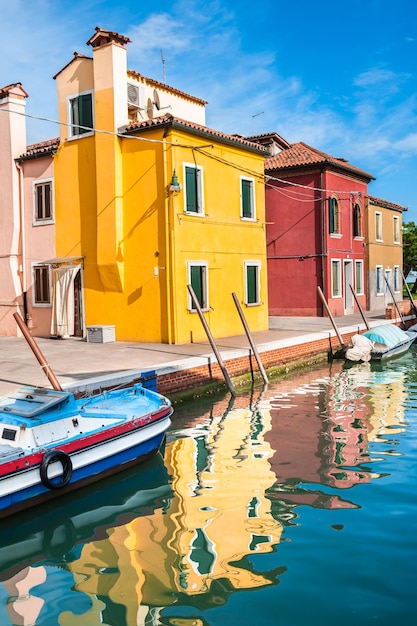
[(121, 433)]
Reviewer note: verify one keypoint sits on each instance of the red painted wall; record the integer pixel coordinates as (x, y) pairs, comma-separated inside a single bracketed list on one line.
[(299, 247)]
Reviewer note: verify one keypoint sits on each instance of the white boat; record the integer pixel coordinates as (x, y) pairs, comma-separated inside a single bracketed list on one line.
[(379, 343)]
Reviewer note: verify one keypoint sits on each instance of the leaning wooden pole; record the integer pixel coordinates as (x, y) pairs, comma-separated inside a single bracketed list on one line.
[(250, 339), (395, 303), (365, 321), (409, 294), (38, 353), (211, 340), (323, 299)]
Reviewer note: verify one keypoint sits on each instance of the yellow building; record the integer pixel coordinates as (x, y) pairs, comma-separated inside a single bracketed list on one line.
[(150, 200), (384, 252)]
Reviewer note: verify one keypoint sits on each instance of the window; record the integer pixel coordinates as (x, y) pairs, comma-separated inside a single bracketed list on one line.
[(252, 283), (198, 279), (379, 279), (193, 196), (357, 221), (397, 283), (81, 114), (396, 229), (336, 279), (359, 277), (334, 216), (41, 285), (42, 192), (247, 198), (378, 226)]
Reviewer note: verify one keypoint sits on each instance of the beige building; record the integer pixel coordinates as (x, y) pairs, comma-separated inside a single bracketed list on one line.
[(384, 252)]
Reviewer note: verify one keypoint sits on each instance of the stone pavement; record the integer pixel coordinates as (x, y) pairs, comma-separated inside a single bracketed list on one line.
[(80, 365)]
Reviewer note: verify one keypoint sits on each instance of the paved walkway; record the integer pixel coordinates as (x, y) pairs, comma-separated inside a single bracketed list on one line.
[(80, 365)]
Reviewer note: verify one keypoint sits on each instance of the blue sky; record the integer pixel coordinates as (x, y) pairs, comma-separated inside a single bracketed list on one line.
[(340, 76)]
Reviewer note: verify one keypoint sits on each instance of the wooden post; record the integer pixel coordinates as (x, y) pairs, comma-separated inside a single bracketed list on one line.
[(211, 340), (409, 294), (365, 321), (395, 303), (339, 336), (250, 339), (38, 353)]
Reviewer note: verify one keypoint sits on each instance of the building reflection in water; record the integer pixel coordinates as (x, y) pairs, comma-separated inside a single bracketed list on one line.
[(238, 475)]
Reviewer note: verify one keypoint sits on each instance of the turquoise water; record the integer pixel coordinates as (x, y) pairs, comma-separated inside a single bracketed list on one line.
[(290, 505)]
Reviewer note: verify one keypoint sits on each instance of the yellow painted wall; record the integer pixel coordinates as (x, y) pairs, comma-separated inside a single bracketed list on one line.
[(115, 210)]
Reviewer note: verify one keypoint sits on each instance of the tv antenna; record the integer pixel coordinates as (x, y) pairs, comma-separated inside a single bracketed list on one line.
[(253, 120), (163, 68)]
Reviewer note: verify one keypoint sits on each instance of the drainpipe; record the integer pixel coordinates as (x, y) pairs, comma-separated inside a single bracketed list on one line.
[(168, 268), (26, 316), (323, 236)]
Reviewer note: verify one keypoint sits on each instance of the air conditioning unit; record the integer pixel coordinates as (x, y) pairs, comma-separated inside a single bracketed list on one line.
[(135, 96)]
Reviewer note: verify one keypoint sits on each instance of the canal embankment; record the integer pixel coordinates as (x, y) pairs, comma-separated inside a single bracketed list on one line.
[(84, 367)]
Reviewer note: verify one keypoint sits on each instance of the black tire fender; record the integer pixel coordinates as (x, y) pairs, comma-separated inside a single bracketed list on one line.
[(51, 457)]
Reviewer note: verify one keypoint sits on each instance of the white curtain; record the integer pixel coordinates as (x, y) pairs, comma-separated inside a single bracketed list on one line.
[(62, 323)]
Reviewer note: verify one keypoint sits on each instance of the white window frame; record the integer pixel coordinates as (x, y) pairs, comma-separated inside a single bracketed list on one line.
[(257, 265), (36, 266), (359, 288), (205, 283), (200, 189), (41, 182), (71, 123), (338, 264), (252, 217), (379, 269), (378, 226), (396, 279), (396, 229)]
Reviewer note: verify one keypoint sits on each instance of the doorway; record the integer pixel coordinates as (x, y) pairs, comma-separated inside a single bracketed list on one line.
[(348, 280)]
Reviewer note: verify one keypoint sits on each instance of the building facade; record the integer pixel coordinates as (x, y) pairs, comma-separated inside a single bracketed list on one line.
[(384, 252), (150, 203)]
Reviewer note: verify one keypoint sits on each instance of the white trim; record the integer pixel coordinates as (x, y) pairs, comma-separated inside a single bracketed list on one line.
[(396, 275), (71, 134), (204, 264), (258, 265), (378, 214), (359, 262), (41, 305), (200, 188), (379, 267), (339, 277), (35, 184), (396, 230), (252, 199)]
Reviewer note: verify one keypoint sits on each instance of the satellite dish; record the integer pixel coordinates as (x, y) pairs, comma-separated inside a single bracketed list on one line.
[(149, 108), (156, 100)]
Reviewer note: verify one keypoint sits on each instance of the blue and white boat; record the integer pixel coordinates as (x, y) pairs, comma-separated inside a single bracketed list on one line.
[(52, 442)]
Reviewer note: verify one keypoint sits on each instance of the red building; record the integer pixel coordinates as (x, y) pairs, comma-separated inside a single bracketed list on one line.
[(315, 213)]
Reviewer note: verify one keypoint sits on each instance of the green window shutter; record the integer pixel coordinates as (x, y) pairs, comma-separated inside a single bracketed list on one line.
[(197, 284), (191, 189), (251, 284), (332, 216), (247, 198), (85, 109)]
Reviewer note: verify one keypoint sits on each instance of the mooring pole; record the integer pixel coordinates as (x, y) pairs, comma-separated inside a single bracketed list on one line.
[(38, 353), (395, 303), (365, 321), (409, 294), (250, 339), (323, 299), (211, 340)]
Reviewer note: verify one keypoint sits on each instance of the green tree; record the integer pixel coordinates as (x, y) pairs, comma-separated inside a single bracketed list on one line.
[(410, 249)]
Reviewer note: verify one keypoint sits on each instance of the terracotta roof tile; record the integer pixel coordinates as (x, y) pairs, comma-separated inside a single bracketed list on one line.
[(169, 119), (8, 89), (386, 204), (102, 37), (301, 155), (43, 148)]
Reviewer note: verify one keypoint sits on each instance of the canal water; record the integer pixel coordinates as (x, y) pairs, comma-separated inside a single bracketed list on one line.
[(289, 505)]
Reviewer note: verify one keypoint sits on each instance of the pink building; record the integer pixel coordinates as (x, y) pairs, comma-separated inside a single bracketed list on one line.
[(315, 214), (27, 228)]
